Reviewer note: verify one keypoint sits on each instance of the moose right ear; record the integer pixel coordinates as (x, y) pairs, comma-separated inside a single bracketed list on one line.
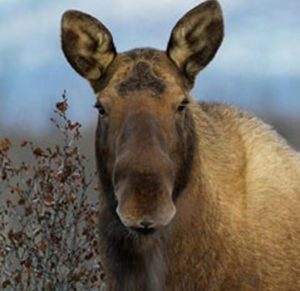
[(196, 38), (87, 44)]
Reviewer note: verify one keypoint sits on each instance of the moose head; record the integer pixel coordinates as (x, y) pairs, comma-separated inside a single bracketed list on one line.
[(145, 137)]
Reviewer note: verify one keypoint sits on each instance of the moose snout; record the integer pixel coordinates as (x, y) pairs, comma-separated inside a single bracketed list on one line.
[(143, 221), (143, 176), (145, 202)]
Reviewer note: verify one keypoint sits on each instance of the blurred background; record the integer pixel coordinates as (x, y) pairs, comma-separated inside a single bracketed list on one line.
[(257, 67)]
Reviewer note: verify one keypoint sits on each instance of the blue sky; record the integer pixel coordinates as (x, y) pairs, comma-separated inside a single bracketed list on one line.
[(257, 67)]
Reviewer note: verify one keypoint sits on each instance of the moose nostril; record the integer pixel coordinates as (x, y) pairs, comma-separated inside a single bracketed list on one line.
[(146, 224)]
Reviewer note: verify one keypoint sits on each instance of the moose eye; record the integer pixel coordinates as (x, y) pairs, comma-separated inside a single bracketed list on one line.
[(100, 109), (182, 105)]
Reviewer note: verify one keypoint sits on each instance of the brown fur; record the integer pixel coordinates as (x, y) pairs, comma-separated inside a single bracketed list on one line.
[(193, 196), (142, 79)]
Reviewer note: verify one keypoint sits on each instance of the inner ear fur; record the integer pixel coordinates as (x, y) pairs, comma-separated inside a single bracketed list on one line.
[(196, 38), (87, 44)]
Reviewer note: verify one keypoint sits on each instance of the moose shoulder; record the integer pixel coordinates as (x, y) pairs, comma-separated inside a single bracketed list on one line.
[(193, 196)]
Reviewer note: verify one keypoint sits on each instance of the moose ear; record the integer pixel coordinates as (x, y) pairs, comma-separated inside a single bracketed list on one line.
[(196, 38), (87, 44)]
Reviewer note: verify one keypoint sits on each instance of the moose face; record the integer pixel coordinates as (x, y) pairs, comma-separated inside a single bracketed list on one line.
[(145, 138), (142, 132)]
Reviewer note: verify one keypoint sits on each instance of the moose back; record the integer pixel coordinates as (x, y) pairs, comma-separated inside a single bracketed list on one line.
[(194, 196)]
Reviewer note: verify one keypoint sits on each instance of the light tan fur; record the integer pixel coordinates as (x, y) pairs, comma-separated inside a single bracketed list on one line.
[(246, 220)]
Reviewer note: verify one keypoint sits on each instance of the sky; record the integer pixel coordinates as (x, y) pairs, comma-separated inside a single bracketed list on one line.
[(256, 68)]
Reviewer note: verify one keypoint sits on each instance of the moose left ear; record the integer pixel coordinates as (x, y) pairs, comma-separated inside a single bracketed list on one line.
[(196, 38), (87, 44)]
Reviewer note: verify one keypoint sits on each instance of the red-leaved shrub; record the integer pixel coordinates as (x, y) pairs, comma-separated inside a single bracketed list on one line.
[(48, 224)]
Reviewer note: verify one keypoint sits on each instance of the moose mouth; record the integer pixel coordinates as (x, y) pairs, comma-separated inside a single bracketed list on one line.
[(143, 231)]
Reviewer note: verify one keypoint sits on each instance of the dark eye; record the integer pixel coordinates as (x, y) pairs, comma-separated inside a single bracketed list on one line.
[(100, 109), (182, 105)]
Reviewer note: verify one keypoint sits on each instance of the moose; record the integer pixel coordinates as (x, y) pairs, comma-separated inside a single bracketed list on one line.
[(194, 196)]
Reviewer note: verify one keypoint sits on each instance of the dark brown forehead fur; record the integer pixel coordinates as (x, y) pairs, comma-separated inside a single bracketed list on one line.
[(140, 70), (142, 77)]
